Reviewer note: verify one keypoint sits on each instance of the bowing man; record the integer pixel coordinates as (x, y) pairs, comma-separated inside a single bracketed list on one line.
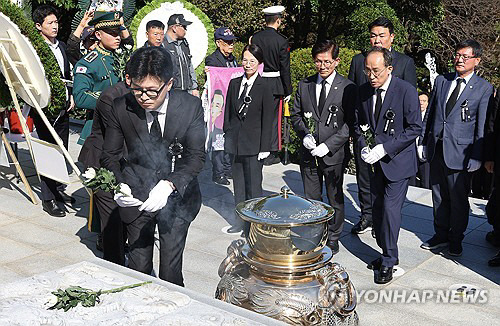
[(163, 131), (390, 107), (330, 100)]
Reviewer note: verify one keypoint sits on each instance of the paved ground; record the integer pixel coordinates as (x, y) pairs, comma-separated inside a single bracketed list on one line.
[(32, 242)]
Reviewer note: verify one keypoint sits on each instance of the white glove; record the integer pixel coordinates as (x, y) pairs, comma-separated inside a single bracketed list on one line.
[(422, 153), (263, 155), (124, 197), (375, 154), (473, 165), (320, 151), (158, 197), (309, 142), (287, 98)]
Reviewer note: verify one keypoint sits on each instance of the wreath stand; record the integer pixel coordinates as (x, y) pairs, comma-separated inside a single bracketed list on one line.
[(8, 64)]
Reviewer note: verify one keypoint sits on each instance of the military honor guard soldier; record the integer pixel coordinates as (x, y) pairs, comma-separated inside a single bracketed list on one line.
[(330, 99), (276, 70)]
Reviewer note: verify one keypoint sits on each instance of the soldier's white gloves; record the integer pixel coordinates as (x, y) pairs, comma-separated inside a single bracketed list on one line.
[(473, 165), (309, 142), (422, 153), (124, 197), (374, 155), (158, 197), (263, 155), (320, 151)]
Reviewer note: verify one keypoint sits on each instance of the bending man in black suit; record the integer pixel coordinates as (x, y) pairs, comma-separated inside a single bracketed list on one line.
[(330, 100), (156, 122), (403, 67), (389, 108)]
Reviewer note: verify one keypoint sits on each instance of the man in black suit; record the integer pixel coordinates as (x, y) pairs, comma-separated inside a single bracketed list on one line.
[(330, 100), (381, 34), (163, 131), (453, 140), (389, 110), (112, 231), (46, 22)]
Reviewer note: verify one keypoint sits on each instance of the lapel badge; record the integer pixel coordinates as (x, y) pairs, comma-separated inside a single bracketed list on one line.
[(335, 87)]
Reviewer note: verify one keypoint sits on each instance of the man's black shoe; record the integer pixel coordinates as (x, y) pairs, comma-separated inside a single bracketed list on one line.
[(334, 246), (221, 180), (384, 275), (65, 198), (495, 261), (362, 227), (273, 158), (98, 243), (235, 229), (373, 233), (492, 238), (455, 249), (51, 207), (377, 263), (434, 243)]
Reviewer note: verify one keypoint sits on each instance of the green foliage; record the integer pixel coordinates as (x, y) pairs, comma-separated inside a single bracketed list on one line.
[(358, 35), (66, 4), (5, 98), (52, 71), (155, 4)]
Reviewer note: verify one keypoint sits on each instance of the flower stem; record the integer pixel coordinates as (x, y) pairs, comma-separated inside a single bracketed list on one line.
[(125, 287)]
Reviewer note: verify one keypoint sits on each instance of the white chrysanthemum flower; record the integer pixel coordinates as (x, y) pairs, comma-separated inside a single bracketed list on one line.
[(308, 115), (118, 51), (89, 174), (364, 127), (128, 46)]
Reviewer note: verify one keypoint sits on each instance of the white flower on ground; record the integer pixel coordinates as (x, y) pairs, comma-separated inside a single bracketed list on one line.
[(89, 174), (364, 127), (308, 115)]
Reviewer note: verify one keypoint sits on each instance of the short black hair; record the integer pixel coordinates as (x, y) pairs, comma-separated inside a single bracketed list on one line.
[(423, 93), (255, 50), (384, 22), (152, 61), (386, 53), (271, 19), (218, 92), (154, 24), (325, 46), (477, 50), (41, 12)]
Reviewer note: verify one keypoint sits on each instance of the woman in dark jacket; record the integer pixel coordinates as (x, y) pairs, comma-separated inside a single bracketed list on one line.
[(248, 121)]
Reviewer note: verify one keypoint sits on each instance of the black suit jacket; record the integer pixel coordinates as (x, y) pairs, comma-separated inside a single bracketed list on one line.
[(145, 165), (342, 95), (492, 138), (217, 59), (402, 98), (251, 135), (91, 151), (404, 68)]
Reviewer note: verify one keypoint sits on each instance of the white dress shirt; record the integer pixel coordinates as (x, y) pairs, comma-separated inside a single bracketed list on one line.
[(329, 81), (162, 115), (249, 81), (58, 54), (462, 85), (384, 88)]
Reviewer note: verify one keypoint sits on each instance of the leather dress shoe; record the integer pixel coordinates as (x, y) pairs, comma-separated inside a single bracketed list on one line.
[(384, 275), (65, 198), (455, 249), (235, 229), (373, 234), (221, 180), (495, 261), (273, 158), (377, 263), (51, 207), (492, 238), (434, 243), (362, 227), (334, 246)]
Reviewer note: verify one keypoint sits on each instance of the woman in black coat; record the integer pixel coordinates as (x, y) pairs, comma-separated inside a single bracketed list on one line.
[(248, 121)]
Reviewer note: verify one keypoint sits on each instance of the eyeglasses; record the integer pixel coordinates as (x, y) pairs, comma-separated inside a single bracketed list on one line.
[(229, 43), (319, 63), (368, 73), (463, 56), (251, 62), (151, 93)]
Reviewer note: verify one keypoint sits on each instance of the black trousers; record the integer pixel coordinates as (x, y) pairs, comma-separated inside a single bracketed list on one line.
[(172, 235), (492, 208), (275, 131), (450, 191), (333, 177), (388, 198), (50, 188), (221, 164), (363, 175), (112, 230)]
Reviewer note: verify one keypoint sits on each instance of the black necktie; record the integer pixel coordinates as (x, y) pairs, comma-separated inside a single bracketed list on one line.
[(453, 97), (242, 96), (322, 96), (155, 132), (378, 104)]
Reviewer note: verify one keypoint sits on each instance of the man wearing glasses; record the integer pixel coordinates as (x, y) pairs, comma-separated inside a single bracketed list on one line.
[(453, 140), (178, 48), (330, 99), (403, 67), (389, 111)]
